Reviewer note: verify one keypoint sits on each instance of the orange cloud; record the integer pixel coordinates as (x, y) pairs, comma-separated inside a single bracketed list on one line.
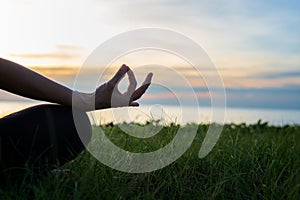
[(67, 47), (46, 55), (56, 71), (183, 95)]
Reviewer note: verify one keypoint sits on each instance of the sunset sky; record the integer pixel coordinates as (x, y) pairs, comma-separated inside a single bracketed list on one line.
[(255, 45)]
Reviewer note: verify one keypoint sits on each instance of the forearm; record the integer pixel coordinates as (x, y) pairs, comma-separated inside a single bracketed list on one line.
[(25, 82)]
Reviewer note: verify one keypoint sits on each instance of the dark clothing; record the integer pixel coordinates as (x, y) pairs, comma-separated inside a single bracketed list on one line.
[(41, 135)]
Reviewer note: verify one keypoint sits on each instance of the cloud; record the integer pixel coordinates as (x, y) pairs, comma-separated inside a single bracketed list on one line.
[(237, 29), (279, 75), (68, 47), (57, 71), (58, 56), (285, 97)]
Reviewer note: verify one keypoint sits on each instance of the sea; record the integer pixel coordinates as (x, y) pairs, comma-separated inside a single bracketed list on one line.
[(175, 114)]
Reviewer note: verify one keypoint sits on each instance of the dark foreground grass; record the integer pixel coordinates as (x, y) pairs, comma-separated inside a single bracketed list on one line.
[(249, 162)]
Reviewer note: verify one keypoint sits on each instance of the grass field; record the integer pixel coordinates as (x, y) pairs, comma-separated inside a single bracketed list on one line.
[(249, 162)]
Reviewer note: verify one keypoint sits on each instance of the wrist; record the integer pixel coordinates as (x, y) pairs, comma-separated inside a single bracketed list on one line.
[(83, 101)]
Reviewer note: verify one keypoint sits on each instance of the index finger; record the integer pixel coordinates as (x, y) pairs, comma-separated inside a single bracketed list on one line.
[(132, 83), (119, 75)]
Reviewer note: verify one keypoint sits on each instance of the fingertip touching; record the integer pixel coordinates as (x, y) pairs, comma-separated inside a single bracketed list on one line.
[(125, 67), (119, 75)]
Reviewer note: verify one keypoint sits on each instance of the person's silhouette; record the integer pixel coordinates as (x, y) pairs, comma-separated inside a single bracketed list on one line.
[(46, 134)]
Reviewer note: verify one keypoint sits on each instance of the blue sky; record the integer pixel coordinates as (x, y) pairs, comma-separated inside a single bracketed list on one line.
[(254, 44)]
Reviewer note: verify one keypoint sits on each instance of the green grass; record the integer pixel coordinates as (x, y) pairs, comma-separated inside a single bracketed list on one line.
[(249, 162)]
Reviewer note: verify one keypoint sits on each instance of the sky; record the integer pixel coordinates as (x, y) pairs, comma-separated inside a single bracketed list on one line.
[(254, 45)]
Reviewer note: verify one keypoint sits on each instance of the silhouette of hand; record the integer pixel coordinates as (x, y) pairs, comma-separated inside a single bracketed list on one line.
[(109, 96)]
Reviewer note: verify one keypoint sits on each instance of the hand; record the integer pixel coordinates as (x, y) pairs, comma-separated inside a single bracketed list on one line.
[(109, 96)]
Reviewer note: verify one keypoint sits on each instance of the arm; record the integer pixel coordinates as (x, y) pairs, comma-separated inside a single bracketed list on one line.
[(19, 80), (22, 81)]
